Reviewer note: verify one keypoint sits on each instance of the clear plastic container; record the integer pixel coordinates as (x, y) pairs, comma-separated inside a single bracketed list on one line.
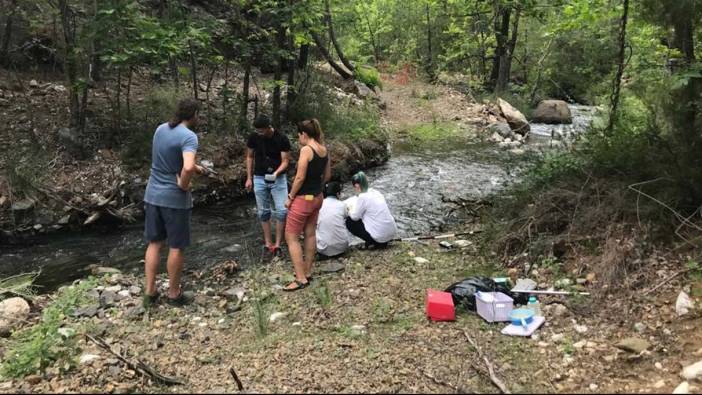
[(534, 306)]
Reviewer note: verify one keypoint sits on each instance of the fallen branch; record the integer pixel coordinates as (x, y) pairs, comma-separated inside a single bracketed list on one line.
[(138, 366), (439, 382), (667, 280), (236, 378), (491, 370)]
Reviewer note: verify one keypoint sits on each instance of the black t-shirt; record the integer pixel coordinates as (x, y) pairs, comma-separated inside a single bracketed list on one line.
[(267, 151)]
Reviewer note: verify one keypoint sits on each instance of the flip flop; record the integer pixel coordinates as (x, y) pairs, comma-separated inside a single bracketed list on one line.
[(300, 285), (182, 300)]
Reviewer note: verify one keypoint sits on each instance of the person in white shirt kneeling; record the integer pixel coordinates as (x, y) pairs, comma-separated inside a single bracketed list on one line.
[(370, 218), (332, 237)]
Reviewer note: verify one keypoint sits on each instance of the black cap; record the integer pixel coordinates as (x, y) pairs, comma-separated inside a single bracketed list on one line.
[(332, 189), (262, 121)]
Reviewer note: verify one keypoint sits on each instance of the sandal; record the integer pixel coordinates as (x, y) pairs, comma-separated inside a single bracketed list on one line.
[(185, 298), (300, 285), (148, 301), (310, 278)]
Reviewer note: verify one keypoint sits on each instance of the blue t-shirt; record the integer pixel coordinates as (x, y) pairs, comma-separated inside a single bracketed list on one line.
[(167, 162)]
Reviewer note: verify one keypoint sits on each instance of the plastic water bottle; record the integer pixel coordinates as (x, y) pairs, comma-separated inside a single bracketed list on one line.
[(534, 306)]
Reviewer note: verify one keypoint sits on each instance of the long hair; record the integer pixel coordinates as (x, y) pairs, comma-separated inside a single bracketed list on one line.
[(187, 109), (312, 128)]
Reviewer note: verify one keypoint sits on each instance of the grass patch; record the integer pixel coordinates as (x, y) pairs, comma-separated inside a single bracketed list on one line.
[(34, 349), (432, 133), (323, 295)]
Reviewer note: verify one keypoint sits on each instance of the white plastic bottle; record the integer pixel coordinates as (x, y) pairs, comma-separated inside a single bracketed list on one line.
[(534, 306)]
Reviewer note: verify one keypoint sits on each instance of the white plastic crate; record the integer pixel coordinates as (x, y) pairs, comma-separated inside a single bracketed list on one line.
[(493, 306)]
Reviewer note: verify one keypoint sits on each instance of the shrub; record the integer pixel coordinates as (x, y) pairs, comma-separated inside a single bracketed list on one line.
[(34, 349), (369, 76)]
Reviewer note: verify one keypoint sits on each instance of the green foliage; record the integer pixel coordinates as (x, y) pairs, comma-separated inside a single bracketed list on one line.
[(261, 316), (323, 295), (369, 76), (340, 118), (34, 349)]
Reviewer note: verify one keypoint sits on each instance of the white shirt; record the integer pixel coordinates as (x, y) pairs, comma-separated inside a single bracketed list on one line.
[(373, 210), (332, 236)]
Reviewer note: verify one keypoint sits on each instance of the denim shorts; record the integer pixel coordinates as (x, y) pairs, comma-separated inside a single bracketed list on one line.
[(164, 223), (270, 198)]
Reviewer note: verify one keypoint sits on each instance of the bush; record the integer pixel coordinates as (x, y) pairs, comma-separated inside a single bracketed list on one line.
[(340, 118), (34, 349), (369, 76)]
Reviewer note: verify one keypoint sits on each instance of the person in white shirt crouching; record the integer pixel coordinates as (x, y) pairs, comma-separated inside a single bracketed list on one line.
[(370, 218), (332, 237)]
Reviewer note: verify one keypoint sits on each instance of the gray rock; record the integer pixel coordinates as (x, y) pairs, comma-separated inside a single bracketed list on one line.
[(233, 249), (563, 283), (516, 120), (237, 293), (501, 128), (64, 220), (67, 332), (87, 359), (13, 312), (358, 330), (114, 371), (639, 327), (692, 372), (22, 205), (633, 344), (87, 312), (333, 267), (101, 270), (135, 312), (135, 290), (552, 112), (362, 90), (108, 298)]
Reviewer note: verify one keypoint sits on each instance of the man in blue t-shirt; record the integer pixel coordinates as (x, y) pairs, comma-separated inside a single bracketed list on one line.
[(168, 202), (267, 159)]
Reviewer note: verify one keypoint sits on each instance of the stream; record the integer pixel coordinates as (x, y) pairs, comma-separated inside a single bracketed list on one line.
[(413, 183)]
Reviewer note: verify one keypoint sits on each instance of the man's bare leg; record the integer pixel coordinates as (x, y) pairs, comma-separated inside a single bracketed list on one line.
[(175, 272), (151, 262), (267, 233)]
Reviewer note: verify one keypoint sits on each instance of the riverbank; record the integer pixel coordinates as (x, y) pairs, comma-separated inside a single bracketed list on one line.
[(56, 182), (359, 328)]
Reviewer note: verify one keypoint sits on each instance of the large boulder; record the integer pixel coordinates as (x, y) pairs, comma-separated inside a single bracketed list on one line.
[(516, 120), (13, 312), (552, 112)]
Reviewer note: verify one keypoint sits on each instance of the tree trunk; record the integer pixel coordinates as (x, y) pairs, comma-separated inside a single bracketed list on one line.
[(616, 89), (376, 52), (506, 62), (70, 61), (245, 94), (5, 47), (332, 35), (327, 56), (128, 100), (304, 55), (193, 69), (683, 38), (502, 17), (292, 90), (278, 75), (430, 63)]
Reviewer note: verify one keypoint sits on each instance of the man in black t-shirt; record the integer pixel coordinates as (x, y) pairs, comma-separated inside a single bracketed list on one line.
[(267, 159)]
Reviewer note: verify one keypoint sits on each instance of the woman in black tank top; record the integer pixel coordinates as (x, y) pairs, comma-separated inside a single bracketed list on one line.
[(305, 200)]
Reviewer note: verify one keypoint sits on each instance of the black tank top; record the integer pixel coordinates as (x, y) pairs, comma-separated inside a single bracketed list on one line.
[(313, 178)]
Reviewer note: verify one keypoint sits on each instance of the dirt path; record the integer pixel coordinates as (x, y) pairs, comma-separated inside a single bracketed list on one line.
[(411, 101)]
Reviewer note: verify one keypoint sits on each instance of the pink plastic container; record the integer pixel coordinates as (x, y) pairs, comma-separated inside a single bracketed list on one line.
[(439, 306)]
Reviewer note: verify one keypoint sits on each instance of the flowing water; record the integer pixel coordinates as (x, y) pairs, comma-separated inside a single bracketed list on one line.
[(413, 183)]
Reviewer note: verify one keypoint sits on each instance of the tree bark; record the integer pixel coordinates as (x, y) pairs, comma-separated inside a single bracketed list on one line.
[(506, 61), (616, 89), (70, 61), (291, 93), (193, 69), (304, 55), (327, 56), (430, 63), (278, 75), (332, 35), (502, 17), (683, 38), (245, 94), (5, 47)]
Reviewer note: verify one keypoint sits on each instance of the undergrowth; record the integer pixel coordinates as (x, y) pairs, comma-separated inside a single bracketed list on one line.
[(34, 349)]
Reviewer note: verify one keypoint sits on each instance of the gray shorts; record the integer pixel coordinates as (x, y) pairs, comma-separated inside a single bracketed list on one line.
[(163, 223)]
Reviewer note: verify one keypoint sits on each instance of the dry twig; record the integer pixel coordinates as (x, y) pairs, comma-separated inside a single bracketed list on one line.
[(491, 370), (138, 366)]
